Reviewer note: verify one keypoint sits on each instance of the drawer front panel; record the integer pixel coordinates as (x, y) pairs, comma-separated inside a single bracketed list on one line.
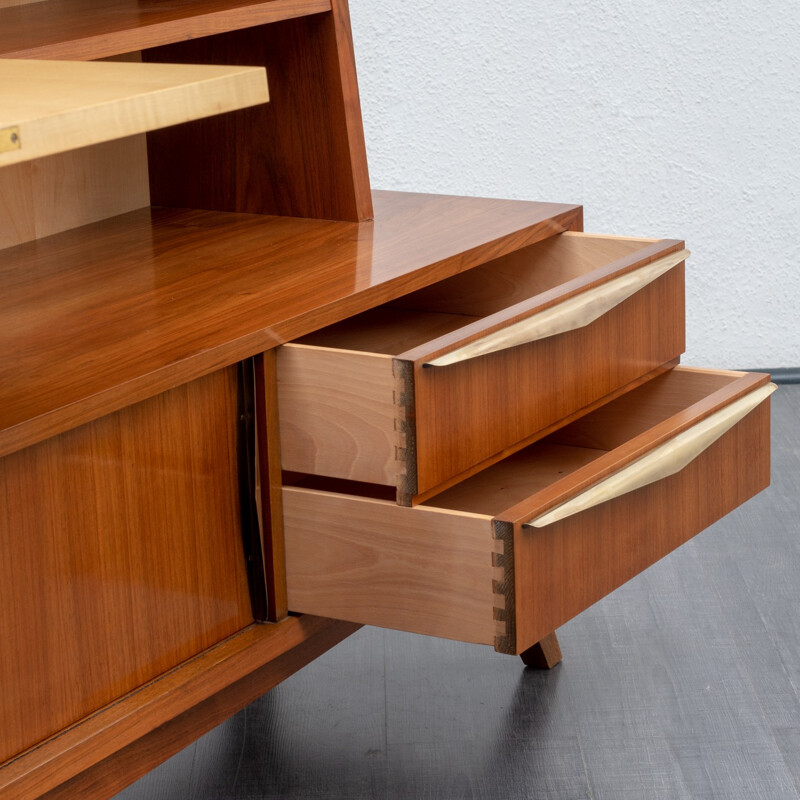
[(470, 411), (567, 566)]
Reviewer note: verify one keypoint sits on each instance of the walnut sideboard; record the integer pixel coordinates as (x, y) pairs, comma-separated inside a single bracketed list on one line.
[(248, 405)]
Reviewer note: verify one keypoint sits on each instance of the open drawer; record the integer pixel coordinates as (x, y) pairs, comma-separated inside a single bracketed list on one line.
[(437, 384), (511, 553)]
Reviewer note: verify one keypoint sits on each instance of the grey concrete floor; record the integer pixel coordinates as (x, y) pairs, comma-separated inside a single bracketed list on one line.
[(684, 683)]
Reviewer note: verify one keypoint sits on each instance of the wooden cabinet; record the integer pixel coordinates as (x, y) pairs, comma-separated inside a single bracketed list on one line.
[(235, 383)]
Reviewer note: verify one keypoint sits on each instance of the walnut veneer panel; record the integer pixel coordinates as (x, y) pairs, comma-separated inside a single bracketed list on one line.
[(120, 543), (88, 29), (575, 562), (101, 755), (102, 316), (302, 155)]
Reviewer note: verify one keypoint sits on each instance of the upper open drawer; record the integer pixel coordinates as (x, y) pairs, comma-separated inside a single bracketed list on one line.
[(510, 554), (49, 107), (445, 380)]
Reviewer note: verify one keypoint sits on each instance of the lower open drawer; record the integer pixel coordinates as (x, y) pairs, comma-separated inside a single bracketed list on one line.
[(508, 555)]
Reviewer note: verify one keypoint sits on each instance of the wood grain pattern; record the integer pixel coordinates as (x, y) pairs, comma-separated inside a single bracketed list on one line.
[(52, 194), (9, 3), (81, 30), (516, 392), (60, 106), (413, 569), (374, 562), (545, 434), (301, 155), (509, 280), (575, 562), (112, 748), (340, 414), (111, 313), (471, 411), (122, 556)]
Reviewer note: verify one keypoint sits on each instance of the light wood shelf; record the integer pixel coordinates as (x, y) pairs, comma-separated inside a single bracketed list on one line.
[(49, 107)]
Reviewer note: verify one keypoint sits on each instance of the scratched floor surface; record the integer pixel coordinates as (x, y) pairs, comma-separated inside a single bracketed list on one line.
[(685, 683)]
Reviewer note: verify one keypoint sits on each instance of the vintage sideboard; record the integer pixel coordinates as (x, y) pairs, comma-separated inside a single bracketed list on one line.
[(247, 404)]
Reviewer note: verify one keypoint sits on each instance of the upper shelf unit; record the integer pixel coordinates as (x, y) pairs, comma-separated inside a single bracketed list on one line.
[(87, 29), (49, 107)]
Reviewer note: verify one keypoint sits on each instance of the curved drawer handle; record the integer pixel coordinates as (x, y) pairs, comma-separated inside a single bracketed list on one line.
[(576, 312), (665, 460)]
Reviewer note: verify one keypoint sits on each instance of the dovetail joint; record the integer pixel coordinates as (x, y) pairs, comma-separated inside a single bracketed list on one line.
[(503, 588)]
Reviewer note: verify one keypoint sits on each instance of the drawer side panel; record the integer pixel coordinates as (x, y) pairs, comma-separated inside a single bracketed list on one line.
[(412, 569), (340, 414)]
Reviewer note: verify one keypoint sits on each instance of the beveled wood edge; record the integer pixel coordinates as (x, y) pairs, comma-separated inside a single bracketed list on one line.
[(430, 351), (72, 415), (126, 40), (120, 725), (635, 448), (522, 443)]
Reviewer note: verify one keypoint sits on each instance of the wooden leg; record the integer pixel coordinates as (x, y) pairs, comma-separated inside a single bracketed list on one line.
[(545, 654)]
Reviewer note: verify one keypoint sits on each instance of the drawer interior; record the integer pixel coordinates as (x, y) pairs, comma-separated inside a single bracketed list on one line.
[(546, 267), (477, 563), (534, 468)]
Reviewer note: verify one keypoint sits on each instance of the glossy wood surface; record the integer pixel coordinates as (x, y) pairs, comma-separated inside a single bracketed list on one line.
[(105, 315), (80, 30), (581, 559), (60, 106), (126, 739), (300, 155), (121, 550)]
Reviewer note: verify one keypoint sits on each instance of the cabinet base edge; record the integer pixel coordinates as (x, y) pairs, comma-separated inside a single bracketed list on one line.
[(104, 753)]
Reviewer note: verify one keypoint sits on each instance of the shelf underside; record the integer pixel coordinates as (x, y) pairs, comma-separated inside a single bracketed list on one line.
[(101, 316), (87, 29), (56, 106)]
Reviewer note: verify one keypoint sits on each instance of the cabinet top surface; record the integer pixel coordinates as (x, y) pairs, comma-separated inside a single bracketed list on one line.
[(99, 317)]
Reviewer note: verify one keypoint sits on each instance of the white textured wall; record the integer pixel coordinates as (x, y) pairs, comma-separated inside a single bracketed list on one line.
[(672, 119)]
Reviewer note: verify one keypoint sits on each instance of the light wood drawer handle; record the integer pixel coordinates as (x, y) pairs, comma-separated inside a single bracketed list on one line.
[(663, 461), (576, 312)]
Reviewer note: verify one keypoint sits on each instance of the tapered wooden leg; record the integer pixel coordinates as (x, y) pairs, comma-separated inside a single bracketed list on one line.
[(545, 654)]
